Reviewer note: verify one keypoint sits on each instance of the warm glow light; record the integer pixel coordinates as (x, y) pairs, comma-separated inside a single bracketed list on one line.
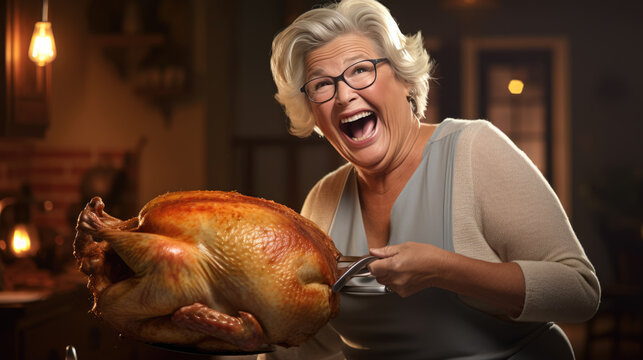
[(20, 242), (515, 87), (42, 49)]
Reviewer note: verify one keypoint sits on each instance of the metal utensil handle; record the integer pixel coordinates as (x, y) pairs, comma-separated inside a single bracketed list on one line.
[(366, 290), (351, 271)]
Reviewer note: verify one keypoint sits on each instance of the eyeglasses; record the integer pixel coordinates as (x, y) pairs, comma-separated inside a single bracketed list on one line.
[(358, 76)]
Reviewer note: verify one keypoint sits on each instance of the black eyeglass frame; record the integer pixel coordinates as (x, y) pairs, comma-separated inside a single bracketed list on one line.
[(339, 77)]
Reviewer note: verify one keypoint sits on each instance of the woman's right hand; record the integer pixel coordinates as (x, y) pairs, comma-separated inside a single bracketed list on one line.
[(410, 267), (407, 268)]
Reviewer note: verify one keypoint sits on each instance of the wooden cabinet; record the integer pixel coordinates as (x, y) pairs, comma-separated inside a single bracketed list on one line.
[(40, 330), (42, 312), (25, 89)]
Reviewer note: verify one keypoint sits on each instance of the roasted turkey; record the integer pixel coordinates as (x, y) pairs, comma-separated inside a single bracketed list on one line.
[(209, 270)]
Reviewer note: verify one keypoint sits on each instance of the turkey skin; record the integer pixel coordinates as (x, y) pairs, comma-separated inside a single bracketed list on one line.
[(209, 270)]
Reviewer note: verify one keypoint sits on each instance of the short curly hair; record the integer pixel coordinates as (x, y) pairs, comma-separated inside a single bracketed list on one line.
[(319, 26)]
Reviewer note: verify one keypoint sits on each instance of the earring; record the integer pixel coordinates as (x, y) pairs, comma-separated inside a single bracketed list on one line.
[(411, 99)]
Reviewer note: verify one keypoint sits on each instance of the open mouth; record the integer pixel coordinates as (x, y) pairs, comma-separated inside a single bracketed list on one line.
[(360, 126)]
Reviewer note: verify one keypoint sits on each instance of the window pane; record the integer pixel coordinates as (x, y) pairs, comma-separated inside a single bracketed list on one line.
[(522, 116), (500, 115), (499, 77), (532, 119), (535, 150)]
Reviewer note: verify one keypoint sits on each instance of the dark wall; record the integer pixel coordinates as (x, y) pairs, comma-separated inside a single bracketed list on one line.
[(606, 93)]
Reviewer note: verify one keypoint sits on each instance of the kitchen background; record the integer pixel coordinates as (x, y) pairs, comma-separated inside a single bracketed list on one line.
[(146, 97)]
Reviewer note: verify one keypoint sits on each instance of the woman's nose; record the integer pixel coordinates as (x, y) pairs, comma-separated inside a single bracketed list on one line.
[(345, 93)]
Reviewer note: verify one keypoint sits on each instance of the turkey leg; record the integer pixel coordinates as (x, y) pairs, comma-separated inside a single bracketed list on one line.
[(243, 331)]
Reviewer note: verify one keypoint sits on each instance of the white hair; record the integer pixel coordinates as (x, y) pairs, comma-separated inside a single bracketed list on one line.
[(319, 26)]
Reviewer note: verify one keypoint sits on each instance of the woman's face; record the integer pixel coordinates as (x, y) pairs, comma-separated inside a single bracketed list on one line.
[(371, 127)]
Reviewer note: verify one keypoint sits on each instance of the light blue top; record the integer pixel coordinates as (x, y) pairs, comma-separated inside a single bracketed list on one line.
[(434, 323)]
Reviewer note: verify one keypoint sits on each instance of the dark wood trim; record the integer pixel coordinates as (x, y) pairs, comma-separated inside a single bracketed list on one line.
[(26, 87)]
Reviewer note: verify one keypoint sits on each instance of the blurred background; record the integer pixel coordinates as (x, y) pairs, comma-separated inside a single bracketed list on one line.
[(150, 96)]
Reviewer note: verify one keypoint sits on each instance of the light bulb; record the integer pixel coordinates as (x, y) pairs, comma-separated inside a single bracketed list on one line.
[(21, 243), (515, 87), (42, 49)]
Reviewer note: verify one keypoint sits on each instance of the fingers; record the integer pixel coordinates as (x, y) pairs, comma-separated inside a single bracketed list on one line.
[(386, 251), (382, 269), (401, 268)]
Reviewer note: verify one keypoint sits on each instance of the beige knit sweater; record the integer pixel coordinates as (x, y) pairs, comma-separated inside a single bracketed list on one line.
[(503, 210)]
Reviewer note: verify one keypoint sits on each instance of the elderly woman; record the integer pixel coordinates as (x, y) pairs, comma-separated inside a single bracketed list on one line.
[(476, 253)]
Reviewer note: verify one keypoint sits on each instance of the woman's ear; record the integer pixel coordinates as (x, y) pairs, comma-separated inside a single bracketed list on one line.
[(411, 99)]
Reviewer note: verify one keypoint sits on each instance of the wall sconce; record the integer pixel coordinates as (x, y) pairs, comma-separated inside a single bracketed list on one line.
[(22, 240), (42, 49)]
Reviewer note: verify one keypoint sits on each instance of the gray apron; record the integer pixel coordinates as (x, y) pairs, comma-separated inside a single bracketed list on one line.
[(433, 323)]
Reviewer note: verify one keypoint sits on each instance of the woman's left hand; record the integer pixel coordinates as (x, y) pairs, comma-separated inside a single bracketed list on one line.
[(407, 268), (410, 267)]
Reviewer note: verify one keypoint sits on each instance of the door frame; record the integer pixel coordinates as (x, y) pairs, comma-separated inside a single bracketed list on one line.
[(560, 97)]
